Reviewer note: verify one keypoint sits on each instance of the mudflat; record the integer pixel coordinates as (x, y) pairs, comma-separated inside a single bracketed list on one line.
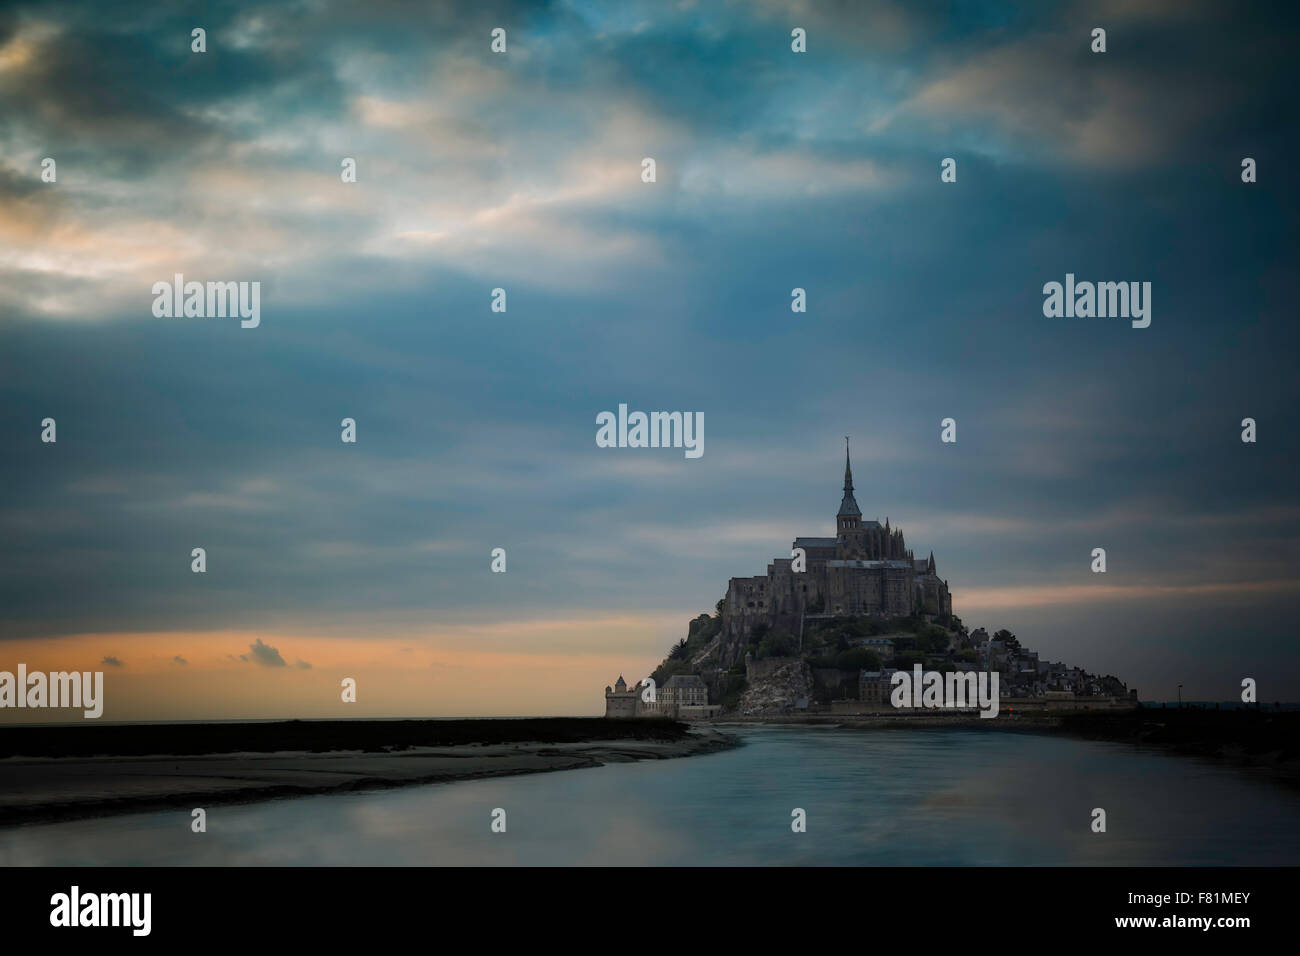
[(74, 784)]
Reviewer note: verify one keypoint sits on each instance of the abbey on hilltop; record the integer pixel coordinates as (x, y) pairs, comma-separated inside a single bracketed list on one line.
[(827, 629), (866, 569)]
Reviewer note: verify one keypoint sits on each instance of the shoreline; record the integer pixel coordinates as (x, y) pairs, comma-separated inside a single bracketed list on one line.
[(63, 779), (38, 790), (1260, 744)]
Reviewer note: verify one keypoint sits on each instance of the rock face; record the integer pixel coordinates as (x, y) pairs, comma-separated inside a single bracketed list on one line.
[(778, 692)]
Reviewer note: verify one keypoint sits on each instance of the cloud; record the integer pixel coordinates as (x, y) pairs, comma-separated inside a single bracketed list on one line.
[(179, 660), (263, 654), (112, 661), (983, 599), (302, 665), (523, 172), (1039, 92), (476, 429)]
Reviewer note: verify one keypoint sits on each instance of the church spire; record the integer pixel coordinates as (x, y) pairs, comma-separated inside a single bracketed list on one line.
[(848, 506), (848, 469)]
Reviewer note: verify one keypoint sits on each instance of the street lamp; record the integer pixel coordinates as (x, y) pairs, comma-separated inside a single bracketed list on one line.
[(1180, 696)]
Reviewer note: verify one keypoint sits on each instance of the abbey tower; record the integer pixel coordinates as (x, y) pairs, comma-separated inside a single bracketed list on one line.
[(866, 569)]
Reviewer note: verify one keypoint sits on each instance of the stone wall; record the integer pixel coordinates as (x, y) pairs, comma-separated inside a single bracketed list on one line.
[(622, 705)]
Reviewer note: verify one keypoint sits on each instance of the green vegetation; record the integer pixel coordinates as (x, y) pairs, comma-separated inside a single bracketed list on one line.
[(932, 639), (858, 659), (1007, 638), (669, 669), (732, 685), (831, 643), (699, 634), (905, 661), (777, 644)]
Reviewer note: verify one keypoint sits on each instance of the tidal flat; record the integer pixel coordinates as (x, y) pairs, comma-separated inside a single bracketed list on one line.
[(50, 774)]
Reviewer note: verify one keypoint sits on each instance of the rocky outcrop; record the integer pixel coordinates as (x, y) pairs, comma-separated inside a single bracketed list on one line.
[(778, 692)]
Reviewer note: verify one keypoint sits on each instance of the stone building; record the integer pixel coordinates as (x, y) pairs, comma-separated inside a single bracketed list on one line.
[(684, 690), (621, 702), (683, 697), (875, 688), (865, 569)]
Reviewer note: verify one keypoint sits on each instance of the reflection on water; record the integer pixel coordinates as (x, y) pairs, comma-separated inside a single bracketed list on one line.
[(934, 797)]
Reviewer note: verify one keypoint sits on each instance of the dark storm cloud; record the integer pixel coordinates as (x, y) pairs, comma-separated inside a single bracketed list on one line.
[(122, 99)]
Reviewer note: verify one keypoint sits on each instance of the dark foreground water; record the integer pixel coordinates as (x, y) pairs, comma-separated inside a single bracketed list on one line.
[(932, 797)]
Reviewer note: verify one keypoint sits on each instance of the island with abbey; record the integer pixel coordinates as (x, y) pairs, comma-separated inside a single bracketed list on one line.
[(825, 630)]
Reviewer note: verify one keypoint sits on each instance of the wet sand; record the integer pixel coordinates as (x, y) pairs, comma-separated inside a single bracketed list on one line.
[(43, 789)]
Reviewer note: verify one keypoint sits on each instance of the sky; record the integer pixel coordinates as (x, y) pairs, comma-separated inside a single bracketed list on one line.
[(476, 429)]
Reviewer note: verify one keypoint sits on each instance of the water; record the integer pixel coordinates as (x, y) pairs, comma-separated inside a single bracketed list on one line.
[(912, 798)]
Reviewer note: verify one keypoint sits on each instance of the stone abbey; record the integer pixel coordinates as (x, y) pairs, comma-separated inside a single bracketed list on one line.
[(865, 569), (792, 641)]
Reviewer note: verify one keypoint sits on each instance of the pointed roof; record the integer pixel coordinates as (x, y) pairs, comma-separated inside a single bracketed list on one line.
[(848, 507)]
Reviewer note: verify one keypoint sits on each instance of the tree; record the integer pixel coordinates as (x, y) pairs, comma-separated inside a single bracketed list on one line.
[(932, 640), (777, 644), (858, 659)]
